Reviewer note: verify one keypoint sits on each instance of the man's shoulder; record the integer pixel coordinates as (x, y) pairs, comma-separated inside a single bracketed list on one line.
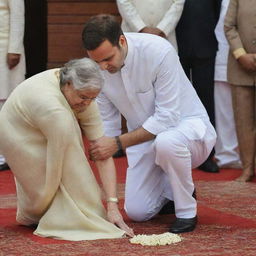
[(146, 37), (148, 43)]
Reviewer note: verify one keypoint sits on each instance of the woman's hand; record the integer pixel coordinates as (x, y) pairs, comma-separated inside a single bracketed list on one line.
[(115, 217)]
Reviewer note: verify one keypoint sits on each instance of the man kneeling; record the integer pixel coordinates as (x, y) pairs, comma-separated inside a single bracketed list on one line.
[(169, 131)]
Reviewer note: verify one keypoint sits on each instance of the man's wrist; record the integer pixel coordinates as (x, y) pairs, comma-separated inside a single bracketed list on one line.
[(118, 143)]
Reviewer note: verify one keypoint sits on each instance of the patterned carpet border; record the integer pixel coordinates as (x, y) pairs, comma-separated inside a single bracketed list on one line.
[(227, 226)]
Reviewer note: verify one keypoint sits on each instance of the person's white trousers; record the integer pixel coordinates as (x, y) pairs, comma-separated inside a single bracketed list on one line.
[(2, 159), (226, 148), (162, 169)]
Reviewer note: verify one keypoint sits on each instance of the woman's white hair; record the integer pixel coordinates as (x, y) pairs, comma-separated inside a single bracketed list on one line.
[(82, 73)]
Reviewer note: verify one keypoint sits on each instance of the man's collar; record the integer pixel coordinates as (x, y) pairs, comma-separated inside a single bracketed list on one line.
[(130, 50)]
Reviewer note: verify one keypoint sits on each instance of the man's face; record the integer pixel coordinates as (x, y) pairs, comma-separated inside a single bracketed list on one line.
[(109, 57)]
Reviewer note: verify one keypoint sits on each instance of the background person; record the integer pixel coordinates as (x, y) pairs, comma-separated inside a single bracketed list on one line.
[(197, 46), (41, 124), (12, 59), (226, 148), (150, 16), (240, 32)]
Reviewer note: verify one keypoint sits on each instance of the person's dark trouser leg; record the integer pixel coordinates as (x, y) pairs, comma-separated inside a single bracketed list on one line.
[(201, 74), (244, 104)]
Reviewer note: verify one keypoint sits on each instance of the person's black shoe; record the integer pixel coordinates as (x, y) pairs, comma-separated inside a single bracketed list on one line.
[(181, 225), (169, 207), (119, 153), (4, 167), (209, 166), (194, 194)]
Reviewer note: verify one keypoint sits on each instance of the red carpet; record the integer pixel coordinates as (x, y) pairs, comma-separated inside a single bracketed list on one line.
[(227, 223)]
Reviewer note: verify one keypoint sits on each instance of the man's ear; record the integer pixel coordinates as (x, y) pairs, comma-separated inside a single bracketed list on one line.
[(122, 41)]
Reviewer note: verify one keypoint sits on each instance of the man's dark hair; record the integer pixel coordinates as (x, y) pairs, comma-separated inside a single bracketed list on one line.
[(100, 28)]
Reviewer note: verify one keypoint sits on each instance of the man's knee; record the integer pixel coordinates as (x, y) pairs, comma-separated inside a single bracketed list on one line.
[(137, 211), (170, 147)]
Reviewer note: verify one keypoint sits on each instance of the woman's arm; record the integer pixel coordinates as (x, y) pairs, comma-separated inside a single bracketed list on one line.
[(107, 173)]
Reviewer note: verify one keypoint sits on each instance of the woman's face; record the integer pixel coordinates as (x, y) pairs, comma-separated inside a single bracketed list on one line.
[(79, 99)]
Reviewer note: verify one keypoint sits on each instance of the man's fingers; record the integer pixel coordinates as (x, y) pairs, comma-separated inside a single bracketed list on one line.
[(93, 146), (99, 155), (94, 153)]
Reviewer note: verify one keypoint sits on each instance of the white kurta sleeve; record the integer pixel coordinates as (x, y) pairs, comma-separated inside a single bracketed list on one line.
[(17, 23), (110, 115), (171, 17), (167, 101), (130, 15)]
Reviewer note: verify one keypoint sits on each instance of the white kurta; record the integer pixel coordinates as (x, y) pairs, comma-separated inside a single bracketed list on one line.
[(11, 41), (226, 148), (43, 146), (152, 91), (162, 14)]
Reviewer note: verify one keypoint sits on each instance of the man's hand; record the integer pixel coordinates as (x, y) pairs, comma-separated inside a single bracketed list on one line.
[(102, 148), (12, 60), (154, 31), (248, 62), (115, 217)]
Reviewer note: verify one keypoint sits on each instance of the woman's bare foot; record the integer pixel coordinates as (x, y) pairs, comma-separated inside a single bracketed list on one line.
[(246, 176)]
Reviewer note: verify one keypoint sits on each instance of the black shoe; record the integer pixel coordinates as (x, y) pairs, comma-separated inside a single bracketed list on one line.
[(181, 225), (209, 166), (169, 207), (4, 167), (194, 194), (119, 153)]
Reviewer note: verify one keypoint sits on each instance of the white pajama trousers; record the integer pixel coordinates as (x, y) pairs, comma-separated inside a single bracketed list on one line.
[(162, 169), (226, 148), (2, 159)]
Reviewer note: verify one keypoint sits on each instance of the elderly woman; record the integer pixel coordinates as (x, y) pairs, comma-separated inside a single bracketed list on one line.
[(41, 124)]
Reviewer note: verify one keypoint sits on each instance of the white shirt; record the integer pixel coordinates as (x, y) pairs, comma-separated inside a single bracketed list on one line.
[(151, 90), (162, 14), (223, 46)]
